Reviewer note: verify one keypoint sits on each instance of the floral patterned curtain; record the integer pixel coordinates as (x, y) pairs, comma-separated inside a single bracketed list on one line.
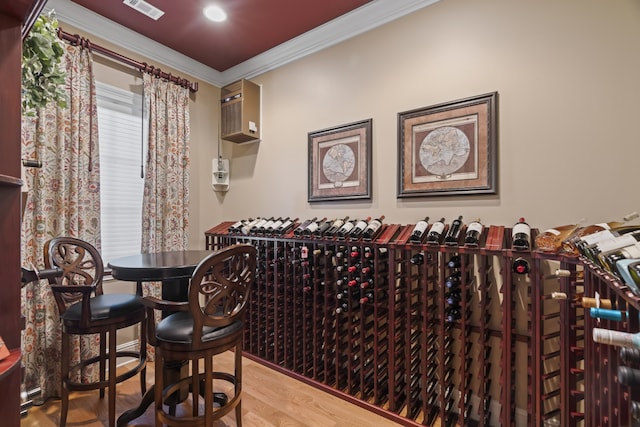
[(165, 204), (63, 199)]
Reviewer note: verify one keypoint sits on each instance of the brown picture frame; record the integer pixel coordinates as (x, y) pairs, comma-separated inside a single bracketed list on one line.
[(340, 162), (448, 149)]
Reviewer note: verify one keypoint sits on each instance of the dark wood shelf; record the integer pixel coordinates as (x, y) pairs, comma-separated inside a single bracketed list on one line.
[(10, 363), (10, 181)]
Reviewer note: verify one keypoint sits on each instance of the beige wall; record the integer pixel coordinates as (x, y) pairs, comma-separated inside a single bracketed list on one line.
[(567, 74)]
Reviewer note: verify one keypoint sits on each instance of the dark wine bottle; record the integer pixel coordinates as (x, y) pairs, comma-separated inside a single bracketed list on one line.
[(300, 229), (235, 227), (285, 226), (417, 259), (359, 228), (453, 234), (346, 228), (521, 236), (435, 232), (266, 228), (274, 226), (452, 314), (322, 228), (372, 228), (418, 230), (259, 225), (452, 280), (337, 224), (347, 305), (520, 266), (454, 262), (474, 231), (312, 227), (630, 356), (629, 376)]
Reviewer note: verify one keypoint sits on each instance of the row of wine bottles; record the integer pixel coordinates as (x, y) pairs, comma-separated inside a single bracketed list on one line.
[(571, 239), (338, 228)]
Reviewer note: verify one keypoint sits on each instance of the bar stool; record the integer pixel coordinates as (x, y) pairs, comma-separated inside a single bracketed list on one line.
[(85, 309)]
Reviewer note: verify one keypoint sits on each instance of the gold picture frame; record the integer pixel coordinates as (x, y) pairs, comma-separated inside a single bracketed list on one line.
[(448, 149), (340, 162)]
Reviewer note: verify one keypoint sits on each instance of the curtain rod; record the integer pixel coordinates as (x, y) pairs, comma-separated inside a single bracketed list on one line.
[(75, 39)]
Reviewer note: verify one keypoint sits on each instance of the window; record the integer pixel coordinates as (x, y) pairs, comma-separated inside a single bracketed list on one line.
[(120, 127)]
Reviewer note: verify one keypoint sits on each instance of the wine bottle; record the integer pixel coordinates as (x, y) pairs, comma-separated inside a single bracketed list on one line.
[(617, 338), (452, 280), (322, 228), (346, 228), (254, 229), (274, 226), (300, 229), (608, 259), (474, 231), (610, 245), (454, 262), (246, 229), (359, 228), (453, 234), (346, 306), (521, 266), (628, 376), (435, 232), (521, 236), (603, 313), (585, 302), (570, 244), (634, 272), (337, 224), (312, 227), (285, 226), (452, 314), (368, 297), (551, 239), (418, 230), (235, 227), (417, 259), (372, 228), (630, 356)]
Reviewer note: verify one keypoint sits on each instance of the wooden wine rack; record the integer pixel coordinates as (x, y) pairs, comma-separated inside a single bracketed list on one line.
[(509, 345)]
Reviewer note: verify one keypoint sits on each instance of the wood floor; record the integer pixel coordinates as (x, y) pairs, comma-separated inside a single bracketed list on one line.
[(269, 399)]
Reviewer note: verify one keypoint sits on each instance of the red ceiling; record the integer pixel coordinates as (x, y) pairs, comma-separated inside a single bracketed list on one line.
[(252, 26)]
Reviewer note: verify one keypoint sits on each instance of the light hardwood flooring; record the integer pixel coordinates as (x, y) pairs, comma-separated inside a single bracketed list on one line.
[(269, 399)]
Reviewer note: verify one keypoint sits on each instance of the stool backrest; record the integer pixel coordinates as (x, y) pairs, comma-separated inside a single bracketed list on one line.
[(82, 270), (220, 287)]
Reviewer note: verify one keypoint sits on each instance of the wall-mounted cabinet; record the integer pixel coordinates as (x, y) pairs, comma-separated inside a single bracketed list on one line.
[(240, 111)]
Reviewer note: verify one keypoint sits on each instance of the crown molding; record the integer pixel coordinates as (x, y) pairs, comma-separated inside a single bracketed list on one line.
[(358, 21)]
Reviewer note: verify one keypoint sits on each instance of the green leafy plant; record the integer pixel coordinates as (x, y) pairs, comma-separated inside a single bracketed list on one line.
[(43, 78)]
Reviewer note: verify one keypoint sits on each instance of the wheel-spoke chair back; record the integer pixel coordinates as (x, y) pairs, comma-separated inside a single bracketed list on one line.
[(85, 309), (209, 323)]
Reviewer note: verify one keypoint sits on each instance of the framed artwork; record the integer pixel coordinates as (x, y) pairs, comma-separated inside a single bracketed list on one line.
[(448, 149), (340, 162)]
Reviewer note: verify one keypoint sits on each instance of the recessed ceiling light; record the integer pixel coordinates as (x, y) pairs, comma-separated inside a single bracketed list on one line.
[(215, 13)]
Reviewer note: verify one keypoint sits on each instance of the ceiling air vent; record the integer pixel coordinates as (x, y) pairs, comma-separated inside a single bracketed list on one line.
[(145, 8)]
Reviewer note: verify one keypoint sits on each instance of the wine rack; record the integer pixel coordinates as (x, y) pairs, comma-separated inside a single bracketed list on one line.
[(441, 334)]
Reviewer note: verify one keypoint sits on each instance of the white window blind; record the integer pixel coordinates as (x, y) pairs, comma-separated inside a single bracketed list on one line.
[(120, 127)]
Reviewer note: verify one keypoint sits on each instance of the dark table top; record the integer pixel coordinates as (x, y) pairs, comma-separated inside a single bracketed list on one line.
[(176, 265)]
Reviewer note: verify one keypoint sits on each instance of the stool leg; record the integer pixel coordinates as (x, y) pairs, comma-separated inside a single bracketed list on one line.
[(238, 387), (208, 390), (195, 386), (143, 355), (103, 352), (64, 392), (158, 386), (112, 377)]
